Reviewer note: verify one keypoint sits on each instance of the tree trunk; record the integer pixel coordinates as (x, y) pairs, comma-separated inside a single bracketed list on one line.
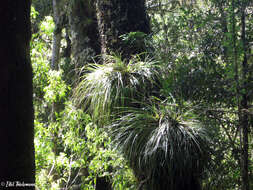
[(244, 118), (118, 17), (83, 32), (102, 183), (58, 21), (16, 109)]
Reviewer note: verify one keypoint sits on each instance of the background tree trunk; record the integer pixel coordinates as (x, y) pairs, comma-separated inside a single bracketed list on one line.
[(83, 32), (16, 108), (243, 115), (58, 21), (118, 17)]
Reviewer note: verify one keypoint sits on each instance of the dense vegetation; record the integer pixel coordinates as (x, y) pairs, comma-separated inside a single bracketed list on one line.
[(175, 114)]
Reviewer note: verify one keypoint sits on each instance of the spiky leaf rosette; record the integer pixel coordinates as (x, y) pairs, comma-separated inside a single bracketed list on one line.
[(166, 150), (105, 88)]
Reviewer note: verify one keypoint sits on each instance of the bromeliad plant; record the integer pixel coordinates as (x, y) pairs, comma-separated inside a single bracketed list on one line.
[(106, 88), (166, 148)]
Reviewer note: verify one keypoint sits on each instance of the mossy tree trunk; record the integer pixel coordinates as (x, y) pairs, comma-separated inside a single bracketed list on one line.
[(83, 32), (118, 17), (16, 108)]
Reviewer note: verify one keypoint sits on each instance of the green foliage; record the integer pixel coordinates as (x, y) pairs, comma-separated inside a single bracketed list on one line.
[(75, 150), (201, 50), (138, 41), (56, 89), (43, 7), (133, 37), (34, 13), (70, 149), (161, 112), (47, 27)]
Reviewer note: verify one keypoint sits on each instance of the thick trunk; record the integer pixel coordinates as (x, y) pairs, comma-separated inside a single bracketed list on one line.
[(118, 17), (83, 32), (16, 110)]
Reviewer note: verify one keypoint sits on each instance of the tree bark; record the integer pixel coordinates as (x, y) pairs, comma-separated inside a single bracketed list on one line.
[(83, 32), (244, 118), (118, 17), (102, 183), (58, 21), (16, 107)]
